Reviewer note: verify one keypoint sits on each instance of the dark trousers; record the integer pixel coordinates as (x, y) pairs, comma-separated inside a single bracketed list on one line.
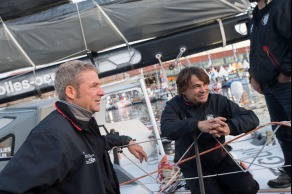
[(240, 183), (278, 98)]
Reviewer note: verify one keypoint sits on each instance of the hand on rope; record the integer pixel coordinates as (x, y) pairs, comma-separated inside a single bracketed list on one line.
[(286, 124)]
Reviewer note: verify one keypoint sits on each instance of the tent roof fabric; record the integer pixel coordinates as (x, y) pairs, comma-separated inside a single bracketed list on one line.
[(48, 31)]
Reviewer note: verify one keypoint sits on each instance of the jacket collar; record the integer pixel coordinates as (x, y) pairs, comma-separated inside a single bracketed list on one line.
[(80, 113), (189, 103), (64, 110)]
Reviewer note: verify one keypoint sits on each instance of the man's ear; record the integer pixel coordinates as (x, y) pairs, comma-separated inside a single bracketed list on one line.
[(70, 92)]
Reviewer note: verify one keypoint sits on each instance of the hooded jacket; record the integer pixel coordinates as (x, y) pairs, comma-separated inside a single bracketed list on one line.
[(270, 35), (63, 155), (180, 119)]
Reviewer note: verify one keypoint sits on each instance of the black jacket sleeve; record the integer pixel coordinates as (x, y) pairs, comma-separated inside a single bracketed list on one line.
[(173, 127), (239, 120), (282, 22), (112, 141), (40, 162)]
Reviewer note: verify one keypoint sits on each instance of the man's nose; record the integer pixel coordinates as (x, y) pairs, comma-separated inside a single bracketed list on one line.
[(101, 92)]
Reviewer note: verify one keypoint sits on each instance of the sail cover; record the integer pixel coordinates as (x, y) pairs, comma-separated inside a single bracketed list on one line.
[(46, 33)]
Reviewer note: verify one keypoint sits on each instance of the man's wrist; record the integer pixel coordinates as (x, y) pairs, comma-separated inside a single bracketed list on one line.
[(128, 139)]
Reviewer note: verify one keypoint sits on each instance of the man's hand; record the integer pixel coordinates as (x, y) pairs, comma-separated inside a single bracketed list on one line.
[(283, 79), (137, 151), (256, 86), (216, 127)]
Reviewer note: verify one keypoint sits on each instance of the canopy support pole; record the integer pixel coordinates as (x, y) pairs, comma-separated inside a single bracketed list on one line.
[(152, 117)]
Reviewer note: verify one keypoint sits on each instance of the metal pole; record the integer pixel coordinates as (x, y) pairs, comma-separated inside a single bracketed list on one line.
[(152, 116), (199, 165)]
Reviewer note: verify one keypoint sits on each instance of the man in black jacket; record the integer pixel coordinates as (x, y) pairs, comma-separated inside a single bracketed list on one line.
[(270, 59), (211, 117), (65, 153)]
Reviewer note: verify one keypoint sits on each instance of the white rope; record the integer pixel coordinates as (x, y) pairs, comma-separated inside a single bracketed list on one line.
[(272, 136), (70, 56), (236, 162), (112, 24), (141, 169), (18, 45), (142, 142), (22, 51), (232, 5), (222, 30), (236, 172), (158, 57), (218, 175), (179, 56), (82, 29)]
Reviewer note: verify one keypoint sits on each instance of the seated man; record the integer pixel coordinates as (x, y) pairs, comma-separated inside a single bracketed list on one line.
[(195, 110)]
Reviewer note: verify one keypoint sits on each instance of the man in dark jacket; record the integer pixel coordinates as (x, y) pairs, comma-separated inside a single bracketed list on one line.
[(270, 59), (211, 117), (65, 153)]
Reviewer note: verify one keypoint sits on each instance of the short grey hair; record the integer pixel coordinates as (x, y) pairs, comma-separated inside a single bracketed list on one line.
[(68, 74)]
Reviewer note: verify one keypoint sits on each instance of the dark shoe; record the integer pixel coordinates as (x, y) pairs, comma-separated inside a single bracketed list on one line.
[(283, 181)]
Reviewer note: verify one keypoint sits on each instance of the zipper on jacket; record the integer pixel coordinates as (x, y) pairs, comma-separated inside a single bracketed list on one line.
[(272, 57)]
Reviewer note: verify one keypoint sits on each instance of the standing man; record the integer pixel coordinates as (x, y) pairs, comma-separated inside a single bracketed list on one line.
[(211, 117), (270, 59), (65, 153)]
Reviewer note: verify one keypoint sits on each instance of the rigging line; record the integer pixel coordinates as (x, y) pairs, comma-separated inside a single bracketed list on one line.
[(217, 175), (188, 61), (141, 142), (256, 165), (82, 29), (232, 5), (222, 32), (270, 138), (253, 155), (17, 44), (22, 51), (169, 182), (215, 148), (230, 173), (158, 57), (229, 154), (179, 56), (238, 137), (176, 165), (141, 169), (114, 26), (69, 56)]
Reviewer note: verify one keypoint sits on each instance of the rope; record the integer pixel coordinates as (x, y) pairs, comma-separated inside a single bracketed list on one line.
[(229, 173), (141, 168), (113, 25), (263, 147), (211, 150), (82, 29), (233, 6), (23, 52), (217, 175), (222, 32)]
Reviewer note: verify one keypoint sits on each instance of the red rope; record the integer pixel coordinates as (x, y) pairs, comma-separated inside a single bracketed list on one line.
[(208, 151)]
